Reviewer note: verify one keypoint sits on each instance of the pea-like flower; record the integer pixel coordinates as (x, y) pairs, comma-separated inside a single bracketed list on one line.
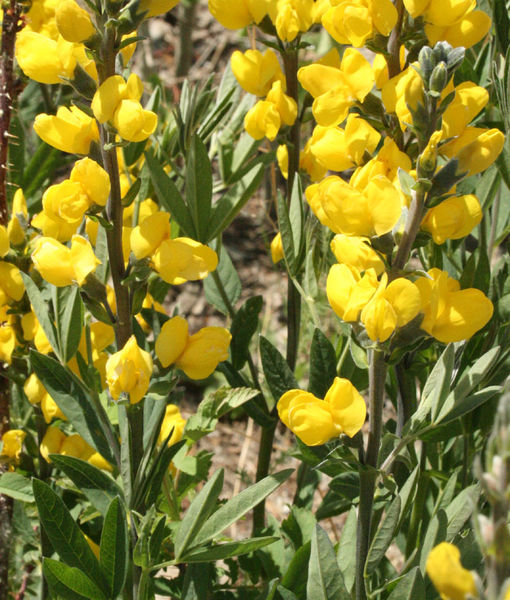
[(452, 219), (70, 130), (37, 394), (348, 291), (451, 314), (61, 265), (336, 85), (12, 444), (316, 421), (129, 371), (256, 71), (277, 248), (291, 17), (355, 21), (118, 101), (356, 252), (11, 283), (7, 334), (173, 422), (197, 355), (157, 7), (43, 59), (57, 442), (73, 21), (150, 234), (450, 578), (19, 211), (183, 259), (235, 14), (475, 149)]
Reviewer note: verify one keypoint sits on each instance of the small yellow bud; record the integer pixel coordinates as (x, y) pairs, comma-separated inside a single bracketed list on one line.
[(129, 371)]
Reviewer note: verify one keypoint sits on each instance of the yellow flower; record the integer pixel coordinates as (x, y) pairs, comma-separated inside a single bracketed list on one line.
[(51, 442), (348, 291), (355, 21), (449, 577), (129, 371), (150, 234), (282, 156), (173, 422), (19, 209), (402, 93), (156, 7), (71, 130), (197, 355), (372, 210), (4, 241), (291, 17), (73, 22), (451, 314), (316, 421), (356, 252), (390, 307), (45, 60), (61, 265), (13, 443), (262, 120), (256, 72), (32, 330), (94, 180), (475, 149), (235, 14), (285, 105), (11, 282), (183, 259), (277, 249), (7, 335), (469, 100), (453, 219), (118, 101), (37, 394), (335, 87)]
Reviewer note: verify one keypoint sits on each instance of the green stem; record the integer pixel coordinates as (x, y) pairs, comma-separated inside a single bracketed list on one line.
[(411, 229), (394, 42), (406, 398), (263, 463), (368, 469), (418, 506)]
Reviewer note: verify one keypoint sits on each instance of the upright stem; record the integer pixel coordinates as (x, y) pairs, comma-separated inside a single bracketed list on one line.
[(394, 42), (411, 229), (185, 47), (368, 469), (263, 463)]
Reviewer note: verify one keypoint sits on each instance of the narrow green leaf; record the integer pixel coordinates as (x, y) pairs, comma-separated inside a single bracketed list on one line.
[(40, 309), (467, 405), (228, 549), (410, 587), (69, 321), (239, 505), (197, 514), (199, 187), (285, 227), (346, 554), (322, 364), (230, 281), (231, 203), (16, 486), (69, 583), (383, 537), (296, 217), (72, 400), (279, 377), (325, 580), (114, 548), (65, 536), (99, 487), (436, 533), (460, 510), (169, 196), (244, 326)]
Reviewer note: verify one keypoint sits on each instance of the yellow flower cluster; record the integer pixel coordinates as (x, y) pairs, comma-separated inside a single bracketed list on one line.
[(56, 441)]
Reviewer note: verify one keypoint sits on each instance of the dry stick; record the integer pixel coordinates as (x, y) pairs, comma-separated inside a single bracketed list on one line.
[(7, 96)]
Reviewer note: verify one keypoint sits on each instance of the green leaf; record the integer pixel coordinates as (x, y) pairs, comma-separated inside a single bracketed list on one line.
[(501, 24), (346, 554), (466, 405), (279, 377), (99, 487), (285, 227), (410, 587), (383, 537), (322, 364), (244, 326), (16, 486), (239, 505), (199, 187), (296, 216), (436, 389), (325, 580), (114, 548), (73, 401), (197, 514), (230, 280), (230, 204), (460, 510), (228, 549), (65, 536), (43, 163), (296, 576), (436, 533), (169, 196), (69, 583), (69, 317), (40, 309)]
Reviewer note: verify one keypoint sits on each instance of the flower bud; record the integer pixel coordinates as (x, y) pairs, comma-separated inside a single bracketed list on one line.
[(427, 62), (438, 80), (172, 422), (277, 253)]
